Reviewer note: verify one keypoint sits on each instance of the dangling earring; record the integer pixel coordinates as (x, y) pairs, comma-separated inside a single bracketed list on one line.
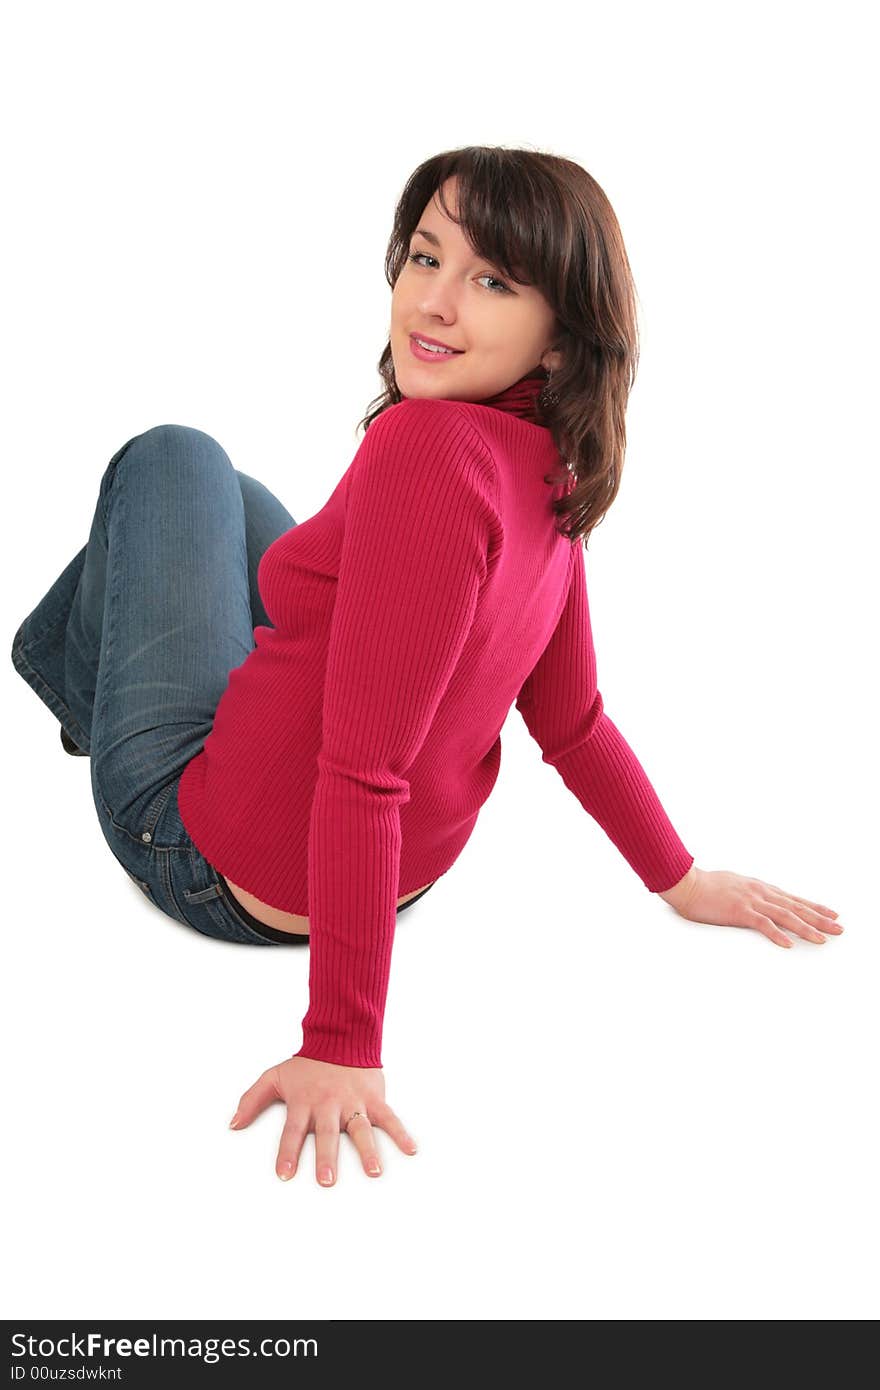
[(548, 397)]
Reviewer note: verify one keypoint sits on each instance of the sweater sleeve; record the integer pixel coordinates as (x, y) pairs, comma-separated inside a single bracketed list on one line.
[(419, 513), (563, 711)]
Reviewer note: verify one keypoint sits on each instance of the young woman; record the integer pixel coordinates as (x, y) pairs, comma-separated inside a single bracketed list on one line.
[(293, 727)]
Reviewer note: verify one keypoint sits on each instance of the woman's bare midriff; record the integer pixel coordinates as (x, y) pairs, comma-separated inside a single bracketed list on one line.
[(284, 921)]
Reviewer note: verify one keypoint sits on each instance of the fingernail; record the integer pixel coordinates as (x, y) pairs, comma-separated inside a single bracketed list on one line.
[(373, 1168), (233, 1123), (326, 1175), (286, 1171)]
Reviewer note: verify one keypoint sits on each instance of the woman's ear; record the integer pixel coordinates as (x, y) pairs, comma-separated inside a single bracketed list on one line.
[(551, 361)]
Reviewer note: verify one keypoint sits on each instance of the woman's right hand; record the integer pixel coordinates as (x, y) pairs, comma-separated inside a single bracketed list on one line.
[(717, 897), (321, 1096)]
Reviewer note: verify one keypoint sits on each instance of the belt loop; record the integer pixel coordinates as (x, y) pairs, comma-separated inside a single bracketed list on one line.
[(204, 894)]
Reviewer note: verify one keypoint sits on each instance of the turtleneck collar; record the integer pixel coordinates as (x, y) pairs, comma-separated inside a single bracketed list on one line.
[(521, 398)]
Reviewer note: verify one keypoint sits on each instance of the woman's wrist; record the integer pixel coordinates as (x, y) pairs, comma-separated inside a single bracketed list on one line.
[(680, 892)]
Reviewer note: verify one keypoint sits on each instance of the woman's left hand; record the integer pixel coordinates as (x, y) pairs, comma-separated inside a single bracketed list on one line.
[(728, 900)]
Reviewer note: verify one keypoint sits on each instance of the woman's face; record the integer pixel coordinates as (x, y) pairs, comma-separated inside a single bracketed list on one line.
[(448, 294)]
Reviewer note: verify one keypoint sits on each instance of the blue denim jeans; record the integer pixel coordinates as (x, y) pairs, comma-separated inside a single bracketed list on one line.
[(132, 647)]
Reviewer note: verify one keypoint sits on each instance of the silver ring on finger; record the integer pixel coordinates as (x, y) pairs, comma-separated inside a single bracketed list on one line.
[(353, 1117)]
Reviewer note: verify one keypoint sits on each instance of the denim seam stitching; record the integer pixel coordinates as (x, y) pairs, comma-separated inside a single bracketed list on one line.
[(50, 697), (164, 866)]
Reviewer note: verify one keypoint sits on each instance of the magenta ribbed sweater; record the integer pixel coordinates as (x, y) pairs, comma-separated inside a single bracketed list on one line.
[(352, 750)]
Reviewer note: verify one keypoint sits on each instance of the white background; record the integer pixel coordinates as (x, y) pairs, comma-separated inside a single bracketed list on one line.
[(621, 1114)]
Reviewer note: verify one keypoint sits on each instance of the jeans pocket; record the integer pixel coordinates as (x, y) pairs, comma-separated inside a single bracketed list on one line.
[(138, 829)]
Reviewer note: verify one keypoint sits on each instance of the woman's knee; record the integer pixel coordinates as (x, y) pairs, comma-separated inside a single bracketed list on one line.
[(180, 448), (181, 439), (176, 450)]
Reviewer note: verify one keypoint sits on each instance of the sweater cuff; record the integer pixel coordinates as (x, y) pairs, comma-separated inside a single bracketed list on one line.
[(325, 1047)]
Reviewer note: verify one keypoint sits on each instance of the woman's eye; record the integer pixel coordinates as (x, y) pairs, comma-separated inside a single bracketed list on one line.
[(417, 256), (503, 288)]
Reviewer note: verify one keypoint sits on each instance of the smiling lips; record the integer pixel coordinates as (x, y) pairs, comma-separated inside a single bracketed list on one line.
[(437, 352)]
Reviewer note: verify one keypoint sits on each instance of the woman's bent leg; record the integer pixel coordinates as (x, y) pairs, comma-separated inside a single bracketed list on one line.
[(133, 645), (175, 617)]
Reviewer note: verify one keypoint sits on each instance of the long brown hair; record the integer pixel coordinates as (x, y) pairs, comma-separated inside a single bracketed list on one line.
[(544, 221)]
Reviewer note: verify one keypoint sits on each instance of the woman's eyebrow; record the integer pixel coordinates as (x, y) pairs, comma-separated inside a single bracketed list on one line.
[(435, 241)]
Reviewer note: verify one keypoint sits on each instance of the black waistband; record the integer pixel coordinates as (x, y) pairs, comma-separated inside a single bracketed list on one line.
[(287, 938)]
